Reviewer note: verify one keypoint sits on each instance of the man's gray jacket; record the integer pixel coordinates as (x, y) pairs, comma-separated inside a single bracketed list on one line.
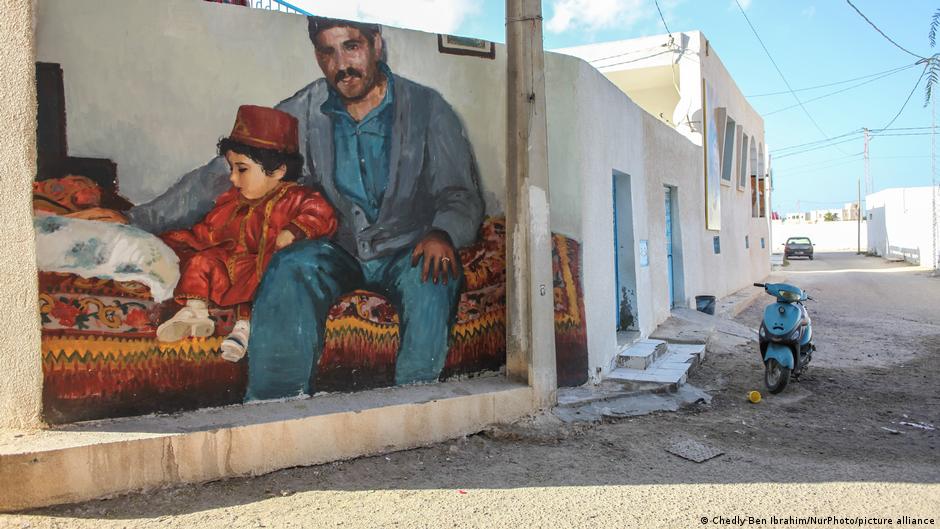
[(432, 181)]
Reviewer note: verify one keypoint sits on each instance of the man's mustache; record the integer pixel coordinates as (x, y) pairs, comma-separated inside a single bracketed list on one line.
[(348, 72)]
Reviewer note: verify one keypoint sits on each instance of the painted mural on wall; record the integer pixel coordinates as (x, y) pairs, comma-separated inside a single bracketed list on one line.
[(337, 241), (712, 158)]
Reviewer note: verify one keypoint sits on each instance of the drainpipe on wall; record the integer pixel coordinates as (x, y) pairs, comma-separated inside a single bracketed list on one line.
[(530, 332)]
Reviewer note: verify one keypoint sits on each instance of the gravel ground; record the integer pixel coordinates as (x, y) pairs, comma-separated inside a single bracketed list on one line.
[(822, 448)]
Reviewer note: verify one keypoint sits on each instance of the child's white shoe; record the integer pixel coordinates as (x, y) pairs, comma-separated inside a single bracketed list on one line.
[(235, 344), (191, 320)]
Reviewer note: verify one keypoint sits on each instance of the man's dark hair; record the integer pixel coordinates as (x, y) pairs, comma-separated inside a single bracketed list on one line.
[(317, 24), (268, 159)]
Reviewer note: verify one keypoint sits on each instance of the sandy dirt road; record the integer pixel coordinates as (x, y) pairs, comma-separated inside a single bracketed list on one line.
[(822, 448)]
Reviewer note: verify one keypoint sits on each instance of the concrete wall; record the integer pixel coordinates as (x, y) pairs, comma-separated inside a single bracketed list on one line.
[(836, 236), (901, 224), (596, 129), (20, 385)]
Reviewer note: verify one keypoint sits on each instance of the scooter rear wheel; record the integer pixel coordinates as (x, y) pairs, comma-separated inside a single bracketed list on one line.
[(776, 376)]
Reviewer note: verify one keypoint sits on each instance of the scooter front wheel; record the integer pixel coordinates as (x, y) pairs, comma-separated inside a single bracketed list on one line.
[(776, 376)]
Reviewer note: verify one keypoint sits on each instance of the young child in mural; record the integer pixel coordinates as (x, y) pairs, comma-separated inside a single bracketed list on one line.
[(224, 256)]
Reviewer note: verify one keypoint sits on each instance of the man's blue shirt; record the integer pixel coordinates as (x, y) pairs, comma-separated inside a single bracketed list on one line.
[(362, 149)]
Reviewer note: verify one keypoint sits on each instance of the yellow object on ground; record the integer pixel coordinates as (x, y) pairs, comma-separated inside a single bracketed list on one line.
[(753, 396)]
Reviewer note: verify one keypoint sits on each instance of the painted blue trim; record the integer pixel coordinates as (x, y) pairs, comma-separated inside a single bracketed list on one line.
[(669, 259), (781, 353), (616, 254)]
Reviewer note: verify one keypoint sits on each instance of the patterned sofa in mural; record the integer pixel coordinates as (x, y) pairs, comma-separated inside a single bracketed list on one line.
[(100, 356)]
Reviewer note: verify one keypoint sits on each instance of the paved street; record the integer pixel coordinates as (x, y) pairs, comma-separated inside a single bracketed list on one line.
[(832, 445)]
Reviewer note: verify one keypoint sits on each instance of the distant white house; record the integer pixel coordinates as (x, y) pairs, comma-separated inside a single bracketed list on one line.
[(902, 224)]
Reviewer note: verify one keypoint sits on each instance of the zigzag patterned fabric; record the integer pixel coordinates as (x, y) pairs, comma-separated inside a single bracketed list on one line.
[(101, 357)]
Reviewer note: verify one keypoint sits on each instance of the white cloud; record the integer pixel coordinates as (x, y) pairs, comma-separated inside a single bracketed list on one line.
[(436, 16), (745, 4), (593, 15)]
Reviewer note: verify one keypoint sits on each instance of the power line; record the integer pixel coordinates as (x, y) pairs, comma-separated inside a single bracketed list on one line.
[(905, 134), (775, 151), (817, 98), (661, 17), (919, 79), (903, 128), (814, 164), (899, 68), (630, 52), (779, 156), (637, 59), (785, 82), (787, 174), (820, 143), (902, 48)]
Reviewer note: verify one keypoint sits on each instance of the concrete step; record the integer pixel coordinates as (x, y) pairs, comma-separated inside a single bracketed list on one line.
[(641, 354), (668, 372)]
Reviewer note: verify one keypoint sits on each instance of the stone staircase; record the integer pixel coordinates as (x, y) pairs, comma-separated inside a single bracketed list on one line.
[(655, 364), (650, 376)]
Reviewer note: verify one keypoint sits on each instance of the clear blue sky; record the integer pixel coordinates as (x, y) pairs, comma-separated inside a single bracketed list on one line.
[(813, 43)]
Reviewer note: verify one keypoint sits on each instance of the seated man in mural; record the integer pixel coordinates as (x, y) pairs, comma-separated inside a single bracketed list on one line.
[(224, 256), (392, 157)]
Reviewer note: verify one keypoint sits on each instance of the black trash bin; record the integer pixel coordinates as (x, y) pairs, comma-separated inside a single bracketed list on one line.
[(705, 304)]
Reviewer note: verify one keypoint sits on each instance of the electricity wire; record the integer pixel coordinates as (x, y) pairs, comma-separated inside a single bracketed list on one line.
[(668, 50), (631, 52), (781, 156), (776, 151), (817, 98), (899, 68), (661, 17), (872, 24), (919, 79), (785, 82)]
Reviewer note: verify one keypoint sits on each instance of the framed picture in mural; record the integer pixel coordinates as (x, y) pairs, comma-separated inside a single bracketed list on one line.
[(712, 155), (455, 45)]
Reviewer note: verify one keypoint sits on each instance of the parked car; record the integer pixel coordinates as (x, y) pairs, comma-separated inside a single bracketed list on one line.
[(798, 247)]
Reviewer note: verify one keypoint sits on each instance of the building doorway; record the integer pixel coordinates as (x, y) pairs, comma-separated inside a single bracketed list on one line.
[(674, 249), (626, 313)]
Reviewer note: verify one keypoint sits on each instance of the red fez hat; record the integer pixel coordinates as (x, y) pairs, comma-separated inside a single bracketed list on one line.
[(265, 128)]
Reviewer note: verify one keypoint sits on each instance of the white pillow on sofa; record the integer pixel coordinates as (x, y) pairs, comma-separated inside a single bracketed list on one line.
[(91, 248)]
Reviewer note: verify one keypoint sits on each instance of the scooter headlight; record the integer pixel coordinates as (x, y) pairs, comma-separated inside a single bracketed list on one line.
[(795, 334), (763, 331)]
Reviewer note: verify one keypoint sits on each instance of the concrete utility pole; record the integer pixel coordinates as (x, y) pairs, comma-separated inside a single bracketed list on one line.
[(530, 315), (869, 185), (933, 183), (868, 189)]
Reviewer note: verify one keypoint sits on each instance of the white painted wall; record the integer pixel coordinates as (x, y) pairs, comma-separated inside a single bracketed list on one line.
[(594, 130), (836, 236), (901, 224)]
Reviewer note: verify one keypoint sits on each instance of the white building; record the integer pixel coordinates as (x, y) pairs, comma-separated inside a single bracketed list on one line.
[(902, 224), (650, 145)]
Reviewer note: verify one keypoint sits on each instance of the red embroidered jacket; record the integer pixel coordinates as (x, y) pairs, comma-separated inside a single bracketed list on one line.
[(224, 256)]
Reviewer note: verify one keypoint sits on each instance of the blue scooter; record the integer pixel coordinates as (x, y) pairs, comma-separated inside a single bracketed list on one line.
[(786, 335)]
